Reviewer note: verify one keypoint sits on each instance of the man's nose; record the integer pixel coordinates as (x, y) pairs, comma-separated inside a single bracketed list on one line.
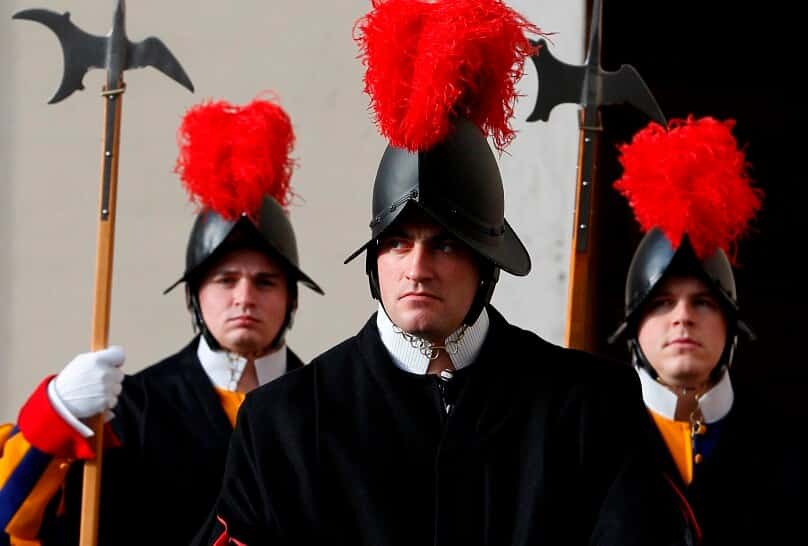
[(419, 266), (243, 292), (683, 312)]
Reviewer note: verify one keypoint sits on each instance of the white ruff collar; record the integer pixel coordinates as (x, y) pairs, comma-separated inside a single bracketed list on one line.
[(412, 360)]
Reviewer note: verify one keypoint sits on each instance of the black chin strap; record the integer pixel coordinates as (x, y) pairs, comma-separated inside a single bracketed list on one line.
[(489, 275), (638, 357), (198, 322)]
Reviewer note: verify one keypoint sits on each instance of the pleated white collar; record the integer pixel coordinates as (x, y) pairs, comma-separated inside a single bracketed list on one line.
[(412, 360)]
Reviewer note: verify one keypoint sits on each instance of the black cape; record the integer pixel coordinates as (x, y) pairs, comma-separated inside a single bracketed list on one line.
[(544, 446), (159, 485)]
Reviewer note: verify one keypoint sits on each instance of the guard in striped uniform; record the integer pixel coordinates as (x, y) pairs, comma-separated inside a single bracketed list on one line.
[(173, 420)]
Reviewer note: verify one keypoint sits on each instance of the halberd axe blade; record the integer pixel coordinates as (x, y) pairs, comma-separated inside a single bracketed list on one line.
[(114, 52)]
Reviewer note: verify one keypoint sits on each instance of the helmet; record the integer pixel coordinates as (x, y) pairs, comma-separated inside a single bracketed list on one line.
[(655, 260), (212, 237), (235, 162), (437, 101), (688, 187), (458, 185)]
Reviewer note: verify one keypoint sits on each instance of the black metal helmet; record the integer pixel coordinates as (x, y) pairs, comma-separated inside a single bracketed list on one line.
[(687, 183), (235, 161), (436, 100), (655, 260), (212, 236), (457, 184)]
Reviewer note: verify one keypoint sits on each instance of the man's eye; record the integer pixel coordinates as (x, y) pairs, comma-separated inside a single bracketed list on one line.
[(660, 303), (447, 246), (706, 302), (394, 244)]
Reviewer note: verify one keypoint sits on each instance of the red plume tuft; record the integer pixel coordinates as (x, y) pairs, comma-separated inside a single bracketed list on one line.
[(232, 156), (690, 179), (430, 62)]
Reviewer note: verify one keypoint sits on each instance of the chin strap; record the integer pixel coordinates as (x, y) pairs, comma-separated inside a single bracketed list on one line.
[(489, 275), (638, 357)]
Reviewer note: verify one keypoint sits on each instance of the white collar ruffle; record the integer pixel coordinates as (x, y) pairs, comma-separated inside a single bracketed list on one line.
[(411, 360)]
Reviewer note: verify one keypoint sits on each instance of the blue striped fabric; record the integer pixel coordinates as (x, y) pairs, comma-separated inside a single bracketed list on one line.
[(20, 483)]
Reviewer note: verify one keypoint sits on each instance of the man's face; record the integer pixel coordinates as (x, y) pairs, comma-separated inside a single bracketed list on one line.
[(427, 278), (683, 332), (243, 299)]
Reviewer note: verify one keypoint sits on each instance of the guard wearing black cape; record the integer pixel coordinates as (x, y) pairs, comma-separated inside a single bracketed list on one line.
[(736, 457), (439, 422)]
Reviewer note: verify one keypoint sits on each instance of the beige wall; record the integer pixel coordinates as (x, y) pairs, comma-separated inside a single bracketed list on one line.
[(50, 157)]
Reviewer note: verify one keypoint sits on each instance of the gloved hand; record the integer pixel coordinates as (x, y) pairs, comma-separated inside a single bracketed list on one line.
[(91, 382)]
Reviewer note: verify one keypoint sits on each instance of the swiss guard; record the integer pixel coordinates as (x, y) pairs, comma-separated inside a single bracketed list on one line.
[(171, 422), (439, 422), (736, 459)]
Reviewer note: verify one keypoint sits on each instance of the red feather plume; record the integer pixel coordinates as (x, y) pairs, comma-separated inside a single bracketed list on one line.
[(231, 157), (690, 179), (430, 62)]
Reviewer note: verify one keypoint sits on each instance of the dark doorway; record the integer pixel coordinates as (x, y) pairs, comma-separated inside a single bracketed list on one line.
[(727, 60)]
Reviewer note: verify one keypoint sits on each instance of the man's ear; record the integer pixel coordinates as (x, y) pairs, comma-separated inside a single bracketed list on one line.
[(290, 316)]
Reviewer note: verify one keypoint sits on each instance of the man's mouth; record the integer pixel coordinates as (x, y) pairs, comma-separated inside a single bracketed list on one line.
[(418, 296), (243, 320), (684, 342)]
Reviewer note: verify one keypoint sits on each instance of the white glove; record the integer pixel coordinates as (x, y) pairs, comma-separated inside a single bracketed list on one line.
[(91, 382)]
